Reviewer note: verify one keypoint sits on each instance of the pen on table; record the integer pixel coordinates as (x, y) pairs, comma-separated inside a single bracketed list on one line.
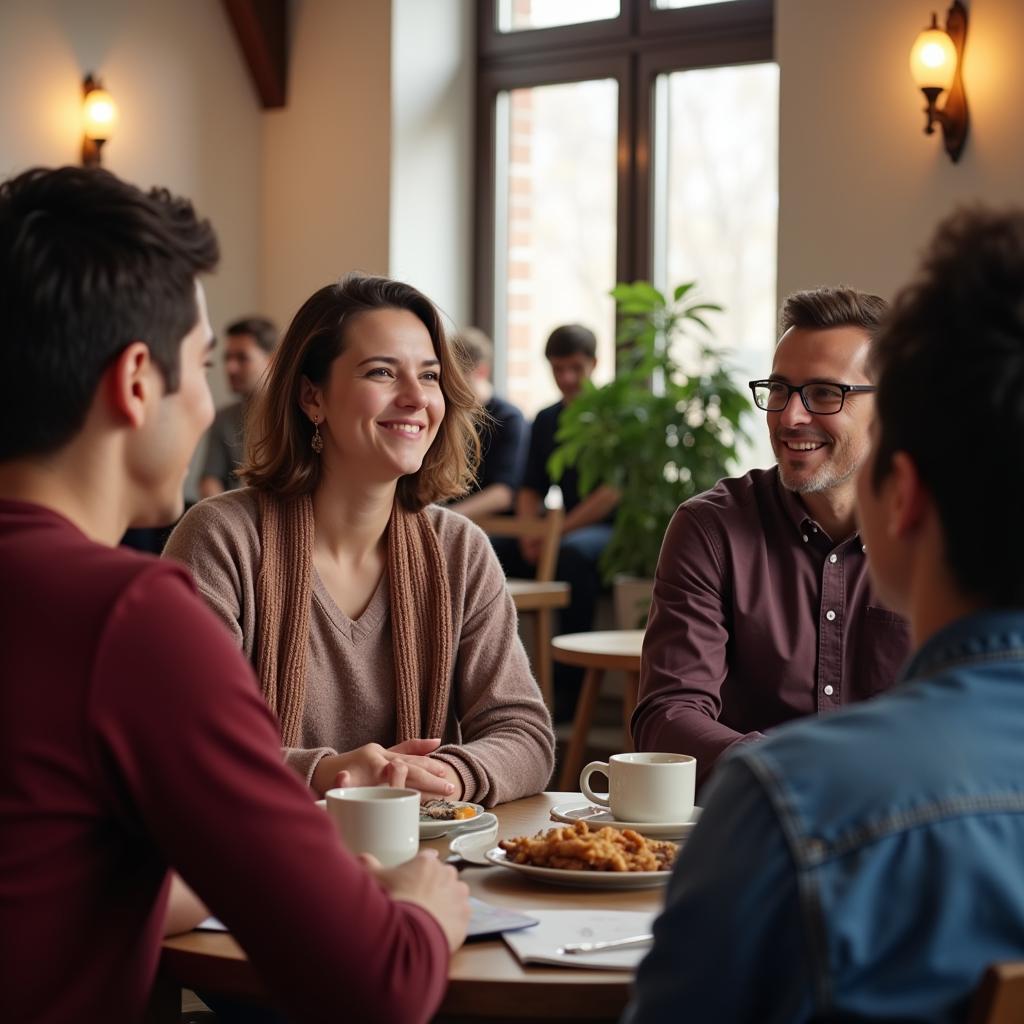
[(594, 947)]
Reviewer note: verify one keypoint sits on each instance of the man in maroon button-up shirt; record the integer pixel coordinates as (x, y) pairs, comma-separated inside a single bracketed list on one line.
[(763, 610)]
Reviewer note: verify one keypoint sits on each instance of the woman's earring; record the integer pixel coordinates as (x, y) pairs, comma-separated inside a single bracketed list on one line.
[(317, 443)]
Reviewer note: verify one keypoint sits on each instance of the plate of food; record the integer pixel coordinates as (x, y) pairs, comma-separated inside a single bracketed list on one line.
[(438, 817), (601, 817), (592, 858)]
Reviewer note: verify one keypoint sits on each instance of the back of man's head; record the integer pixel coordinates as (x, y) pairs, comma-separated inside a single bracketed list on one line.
[(950, 360), (88, 265), (263, 331), (571, 340)]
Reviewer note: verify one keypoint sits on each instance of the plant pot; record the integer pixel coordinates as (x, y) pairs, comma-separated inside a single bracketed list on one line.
[(632, 597)]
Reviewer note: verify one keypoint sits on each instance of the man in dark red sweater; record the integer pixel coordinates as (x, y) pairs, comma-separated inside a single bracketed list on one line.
[(133, 739)]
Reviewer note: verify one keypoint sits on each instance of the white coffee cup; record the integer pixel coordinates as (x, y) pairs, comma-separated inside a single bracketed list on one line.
[(645, 787), (378, 820)]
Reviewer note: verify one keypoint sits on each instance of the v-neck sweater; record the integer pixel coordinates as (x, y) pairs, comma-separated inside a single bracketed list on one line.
[(498, 737)]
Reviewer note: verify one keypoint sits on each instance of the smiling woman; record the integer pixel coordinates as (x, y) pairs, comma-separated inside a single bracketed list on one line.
[(379, 623)]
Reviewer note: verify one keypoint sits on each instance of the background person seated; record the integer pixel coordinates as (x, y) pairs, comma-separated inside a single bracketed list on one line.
[(763, 611), (502, 434), (866, 865), (379, 622), (248, 345), (571, 351)]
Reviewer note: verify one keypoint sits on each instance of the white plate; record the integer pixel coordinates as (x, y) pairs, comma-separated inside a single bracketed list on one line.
[(583, 879), (473, 846), (599, 817), (436, 829)]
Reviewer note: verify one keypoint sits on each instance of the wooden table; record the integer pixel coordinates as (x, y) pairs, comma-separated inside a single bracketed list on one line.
[(597, 653), (485, 979)]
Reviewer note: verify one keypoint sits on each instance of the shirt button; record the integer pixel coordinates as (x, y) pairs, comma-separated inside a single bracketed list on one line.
[(828, 690), (833, 559), (830, 615)]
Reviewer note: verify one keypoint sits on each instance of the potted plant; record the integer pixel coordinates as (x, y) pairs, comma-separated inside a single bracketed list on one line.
[(665, 429)]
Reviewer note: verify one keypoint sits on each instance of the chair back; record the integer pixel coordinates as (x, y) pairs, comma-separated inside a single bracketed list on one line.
[(548, 527), (999, 999)]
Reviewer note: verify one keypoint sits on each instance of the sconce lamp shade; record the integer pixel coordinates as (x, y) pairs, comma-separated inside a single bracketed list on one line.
[(99, 115), (933, 59)]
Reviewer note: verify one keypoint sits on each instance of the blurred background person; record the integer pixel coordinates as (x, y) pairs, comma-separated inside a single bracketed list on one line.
[(502, 434), (248, 345), (571, 352)]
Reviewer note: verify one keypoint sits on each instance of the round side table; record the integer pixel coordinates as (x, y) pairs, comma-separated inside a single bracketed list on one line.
[(596, 653)]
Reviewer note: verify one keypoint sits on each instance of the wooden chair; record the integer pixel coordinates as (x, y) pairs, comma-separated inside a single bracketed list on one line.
[(999, 998), (540, 596)]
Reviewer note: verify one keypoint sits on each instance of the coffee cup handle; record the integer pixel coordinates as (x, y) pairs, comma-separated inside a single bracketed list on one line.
[(601, 767)]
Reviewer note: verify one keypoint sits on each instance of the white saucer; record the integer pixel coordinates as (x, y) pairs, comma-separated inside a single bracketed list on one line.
[(599, 817), (582, 879)]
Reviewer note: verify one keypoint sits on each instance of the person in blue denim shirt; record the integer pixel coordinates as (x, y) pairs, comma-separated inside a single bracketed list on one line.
[(869, 865)]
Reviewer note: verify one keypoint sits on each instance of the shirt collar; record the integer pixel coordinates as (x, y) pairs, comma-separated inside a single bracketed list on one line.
[(981, 636), (806, 525)]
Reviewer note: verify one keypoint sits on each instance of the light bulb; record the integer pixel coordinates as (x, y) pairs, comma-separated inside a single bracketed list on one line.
[(99, 115), (933, 59)]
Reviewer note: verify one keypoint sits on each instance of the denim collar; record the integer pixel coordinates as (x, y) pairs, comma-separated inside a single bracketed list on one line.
[(995, 634)]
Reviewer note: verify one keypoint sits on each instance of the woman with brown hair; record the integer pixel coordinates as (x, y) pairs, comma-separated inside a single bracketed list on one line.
[(379, 623)]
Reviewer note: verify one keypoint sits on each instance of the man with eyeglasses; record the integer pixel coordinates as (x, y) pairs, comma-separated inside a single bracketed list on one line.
[(763, 611), (867, 866)]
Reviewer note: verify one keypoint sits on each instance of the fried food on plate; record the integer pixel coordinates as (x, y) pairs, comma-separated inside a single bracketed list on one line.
[(578, 847)]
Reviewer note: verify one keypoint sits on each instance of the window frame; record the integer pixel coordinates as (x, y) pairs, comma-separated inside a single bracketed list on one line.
[(634, 48)]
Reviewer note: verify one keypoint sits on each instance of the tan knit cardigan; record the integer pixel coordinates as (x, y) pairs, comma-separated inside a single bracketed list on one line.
[(422, 638)]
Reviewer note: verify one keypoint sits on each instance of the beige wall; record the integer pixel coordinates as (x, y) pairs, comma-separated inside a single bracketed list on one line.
[(861, 186), (326, 156)]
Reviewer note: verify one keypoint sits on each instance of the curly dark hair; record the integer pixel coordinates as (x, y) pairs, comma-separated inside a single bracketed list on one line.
[(950, 360)]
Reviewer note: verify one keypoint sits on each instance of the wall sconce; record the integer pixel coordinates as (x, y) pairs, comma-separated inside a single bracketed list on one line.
[(99, 120), (936, 62)]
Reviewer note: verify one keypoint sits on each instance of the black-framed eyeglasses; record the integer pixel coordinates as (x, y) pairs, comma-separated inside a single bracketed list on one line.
[(823, 398)]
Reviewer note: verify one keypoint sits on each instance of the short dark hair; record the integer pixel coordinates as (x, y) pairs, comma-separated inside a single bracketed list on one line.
[(950, 364), (262, 331), (571, 340), (88, 264), (820, 309), (278, 433)]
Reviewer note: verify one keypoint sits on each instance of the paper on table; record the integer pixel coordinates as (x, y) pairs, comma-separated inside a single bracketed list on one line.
[(557, 928)]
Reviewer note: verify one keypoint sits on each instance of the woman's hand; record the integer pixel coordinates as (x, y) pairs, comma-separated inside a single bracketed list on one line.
[(405, 764)]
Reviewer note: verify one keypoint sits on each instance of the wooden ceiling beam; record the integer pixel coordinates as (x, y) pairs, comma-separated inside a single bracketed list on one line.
[(261, 28)]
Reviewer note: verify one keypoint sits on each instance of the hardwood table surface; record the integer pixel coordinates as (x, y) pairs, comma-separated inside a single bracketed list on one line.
[(486, 982)]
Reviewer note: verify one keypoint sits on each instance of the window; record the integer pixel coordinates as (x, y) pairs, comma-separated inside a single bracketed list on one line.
[(554, 226), (519, 15), (623, 140)]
